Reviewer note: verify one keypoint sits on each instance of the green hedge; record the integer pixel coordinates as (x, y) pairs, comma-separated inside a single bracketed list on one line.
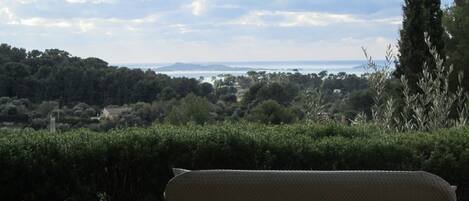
[(135, 164)]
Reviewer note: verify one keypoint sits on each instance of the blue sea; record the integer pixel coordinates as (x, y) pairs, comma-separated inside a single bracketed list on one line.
[(304, 67)]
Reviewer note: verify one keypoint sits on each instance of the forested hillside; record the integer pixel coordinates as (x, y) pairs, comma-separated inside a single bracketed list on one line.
[(35, 85), (56, 75)]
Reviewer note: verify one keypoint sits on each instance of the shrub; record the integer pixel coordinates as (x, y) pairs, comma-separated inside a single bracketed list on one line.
[(192, 109), (427, 107), (4, 100), (271, 112), (134, 163), (168, 93), (314, 105)]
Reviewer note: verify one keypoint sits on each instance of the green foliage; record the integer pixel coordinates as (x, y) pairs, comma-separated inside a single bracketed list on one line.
[(456, 22), (56, 75), (283, 93), (46, 107), (420, 17), (426, 108), (205, 89), (378, 83), (8, 109), (359, 101), (225, 86), (313, 102), (271, 112), (75, 90), (191, 109), (168, 93), (14, 110), (84, 110), (134, 164)]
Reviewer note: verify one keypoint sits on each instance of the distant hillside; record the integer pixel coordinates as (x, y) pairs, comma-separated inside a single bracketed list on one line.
[(198, 67), (380, 65), (360, 67)]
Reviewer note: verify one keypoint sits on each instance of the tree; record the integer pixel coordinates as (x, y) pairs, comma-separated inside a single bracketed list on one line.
[(456, 22), (8, 53), (57, 75), (271, 112), (46, 107), (205, 89), (8, 109), (83, 110), (192, 109), (421, 18), (282, 93), (225, 86), (168, 93), (359, 101), (322, 74), (13, 77)]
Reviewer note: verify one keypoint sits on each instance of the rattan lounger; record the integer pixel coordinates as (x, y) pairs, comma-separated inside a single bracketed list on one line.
[(241, 185)]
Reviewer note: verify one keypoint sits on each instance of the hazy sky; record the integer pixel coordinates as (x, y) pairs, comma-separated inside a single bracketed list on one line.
[(145, 31)]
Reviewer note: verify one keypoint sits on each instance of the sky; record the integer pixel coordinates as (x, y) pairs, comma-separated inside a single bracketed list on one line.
[(160, 31)]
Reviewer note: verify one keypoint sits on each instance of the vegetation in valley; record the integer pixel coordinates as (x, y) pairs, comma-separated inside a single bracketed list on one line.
[(411, 117), (427, 90), (40, 85)]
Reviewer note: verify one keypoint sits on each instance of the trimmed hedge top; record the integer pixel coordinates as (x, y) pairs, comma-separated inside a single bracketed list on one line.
[(135, 163)]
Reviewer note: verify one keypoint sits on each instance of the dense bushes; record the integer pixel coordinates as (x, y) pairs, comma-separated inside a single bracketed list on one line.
[(271, 112), (191, 109), (134, 164)]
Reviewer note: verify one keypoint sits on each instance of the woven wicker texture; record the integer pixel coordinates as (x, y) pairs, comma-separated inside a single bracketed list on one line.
[(237, 185)]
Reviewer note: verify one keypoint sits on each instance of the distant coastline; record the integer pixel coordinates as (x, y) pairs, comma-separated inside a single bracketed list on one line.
[(213, 69), (200, 67)]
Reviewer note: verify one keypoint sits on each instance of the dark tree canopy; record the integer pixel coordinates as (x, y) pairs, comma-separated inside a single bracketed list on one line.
[(271, 112), (37, 84), (421, 17), (456, 22), (57, 75)]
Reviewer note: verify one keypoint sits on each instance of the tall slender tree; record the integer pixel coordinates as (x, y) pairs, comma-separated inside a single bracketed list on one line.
[(456, 23), (421, 18)]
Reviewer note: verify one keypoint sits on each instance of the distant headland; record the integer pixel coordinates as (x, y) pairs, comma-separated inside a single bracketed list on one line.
[(200, 67)]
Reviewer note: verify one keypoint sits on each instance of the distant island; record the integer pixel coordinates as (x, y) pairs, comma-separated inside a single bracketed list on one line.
[(360, 67), (199, 67)]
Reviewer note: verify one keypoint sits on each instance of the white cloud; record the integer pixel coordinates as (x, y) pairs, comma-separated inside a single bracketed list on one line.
[(26, 1), (6, 15), (181, 28), (226, 6), (251, 48), (81, 24), (89, 1), (44, 22), (85, 26), (176, 34), (295, 19), (147, 19), (391, 20), (383, 40), (198, 7)]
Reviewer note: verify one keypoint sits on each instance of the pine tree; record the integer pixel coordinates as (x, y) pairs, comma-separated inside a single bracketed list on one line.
[(422, 18)]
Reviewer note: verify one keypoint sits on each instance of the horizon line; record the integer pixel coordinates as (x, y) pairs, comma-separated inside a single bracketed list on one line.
[(241, 61)]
